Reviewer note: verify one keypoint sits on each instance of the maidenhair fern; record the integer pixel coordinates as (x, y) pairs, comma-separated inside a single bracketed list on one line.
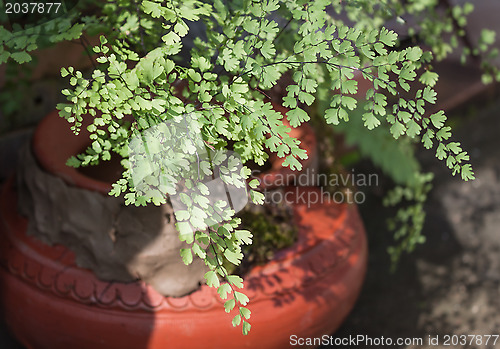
[(214, 94)]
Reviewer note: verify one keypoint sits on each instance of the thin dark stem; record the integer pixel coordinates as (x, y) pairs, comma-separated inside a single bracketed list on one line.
[(141, 29), (465, 37), (86, 46), (219, 266), (283, 29)]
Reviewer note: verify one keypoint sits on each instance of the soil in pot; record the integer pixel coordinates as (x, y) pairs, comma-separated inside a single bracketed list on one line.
[(273, 230)]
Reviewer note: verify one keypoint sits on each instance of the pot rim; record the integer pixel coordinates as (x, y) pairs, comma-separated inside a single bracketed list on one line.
[(54, 143), (54, 131)]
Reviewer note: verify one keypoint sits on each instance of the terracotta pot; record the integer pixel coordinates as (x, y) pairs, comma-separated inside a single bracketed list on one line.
[(64, 54), (49, 302), (306, 290), (52, 156)]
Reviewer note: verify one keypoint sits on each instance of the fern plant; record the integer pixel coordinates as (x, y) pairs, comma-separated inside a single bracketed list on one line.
[(176, 81)]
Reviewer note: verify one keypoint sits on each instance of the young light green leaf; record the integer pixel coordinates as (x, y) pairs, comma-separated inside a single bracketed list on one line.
[(297, 116), (233, 256), (246, 328), (235, 280), (438, 119), (245, 312), (467, 173), (243, 236), (198, 251), (370, 120), (397, 130), (429, 95), (254, 183), (256, 197), (229, 305), (241, 298), (236, 320), (186, 255), (223, 290), (212, 279), (388, 37)]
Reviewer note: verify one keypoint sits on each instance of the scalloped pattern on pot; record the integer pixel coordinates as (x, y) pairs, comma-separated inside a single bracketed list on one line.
[(52, 269)]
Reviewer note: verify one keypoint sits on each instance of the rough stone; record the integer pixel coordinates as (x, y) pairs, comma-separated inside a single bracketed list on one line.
[(117, 242)]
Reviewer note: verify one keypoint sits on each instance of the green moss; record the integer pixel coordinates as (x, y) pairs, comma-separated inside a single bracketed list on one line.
[(272, 228)]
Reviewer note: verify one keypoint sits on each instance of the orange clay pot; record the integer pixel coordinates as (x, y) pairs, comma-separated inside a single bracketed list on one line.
[(306, 290)]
